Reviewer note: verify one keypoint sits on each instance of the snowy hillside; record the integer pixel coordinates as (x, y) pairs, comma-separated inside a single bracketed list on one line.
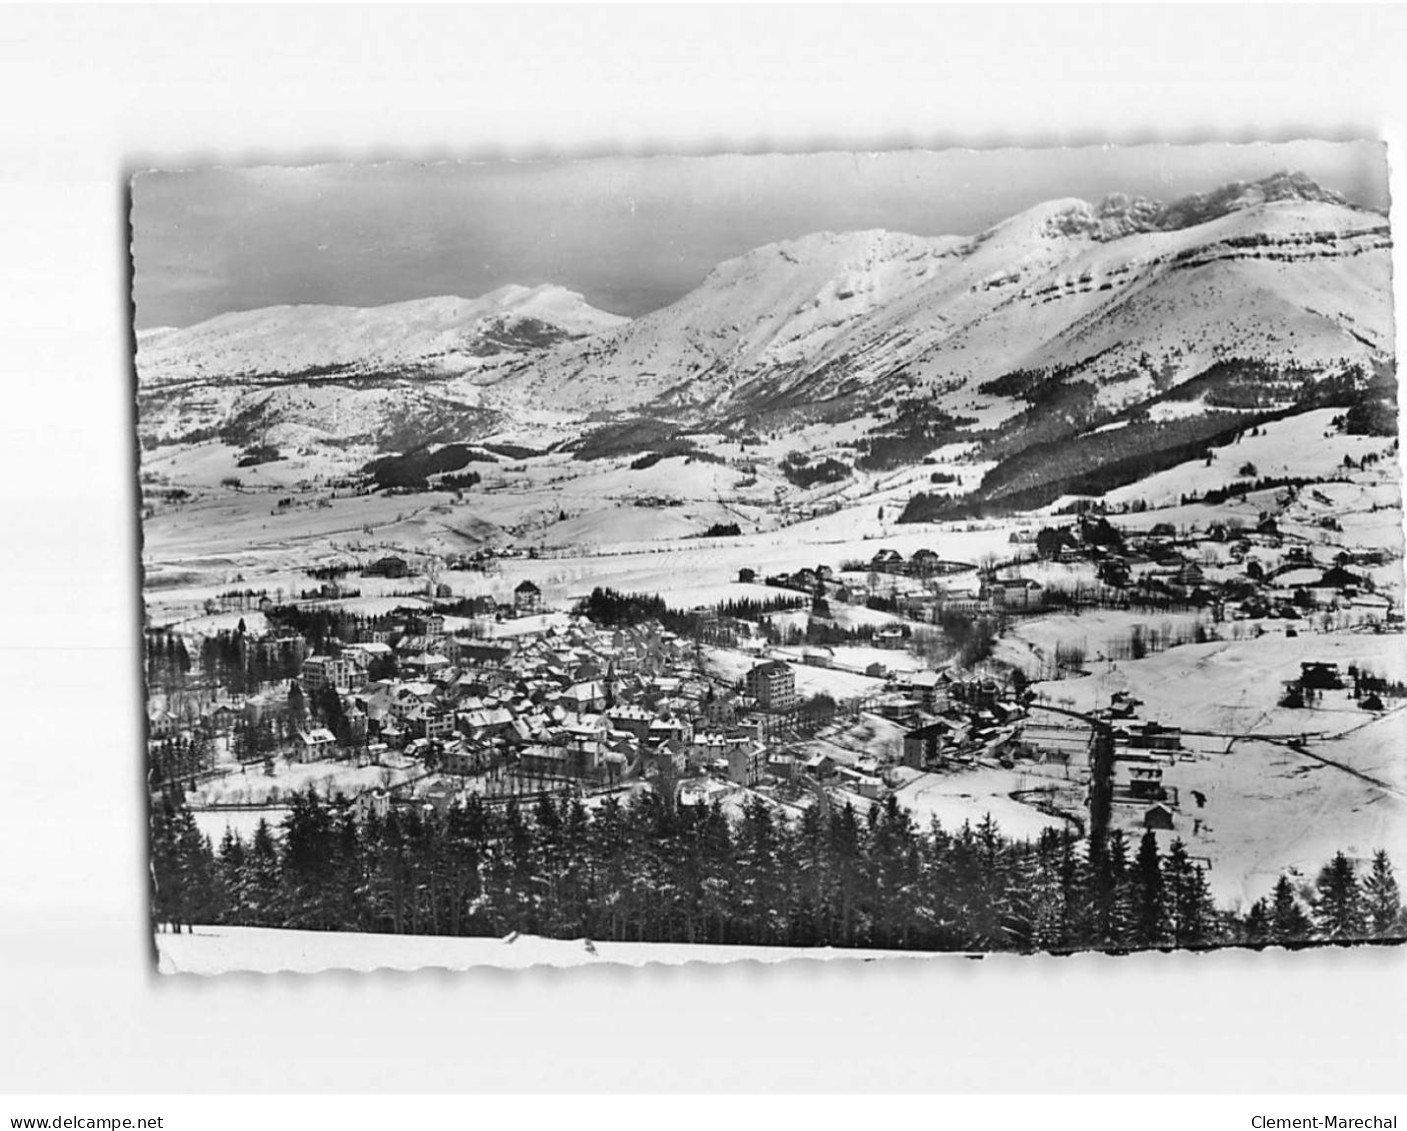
[(439, 335), (1123, 291), (1051, 327)]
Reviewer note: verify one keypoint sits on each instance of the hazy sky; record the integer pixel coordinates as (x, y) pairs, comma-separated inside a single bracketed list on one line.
[(631, 234)]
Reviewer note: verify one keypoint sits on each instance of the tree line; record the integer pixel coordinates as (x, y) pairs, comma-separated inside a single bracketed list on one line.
[(648, 870)]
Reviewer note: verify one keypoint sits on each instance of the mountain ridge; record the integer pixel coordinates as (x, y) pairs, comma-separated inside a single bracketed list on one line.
[(1104, 306)]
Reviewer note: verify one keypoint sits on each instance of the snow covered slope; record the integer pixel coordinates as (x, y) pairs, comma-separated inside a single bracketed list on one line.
[(438, 335), (1127, 292), (1069, 312)]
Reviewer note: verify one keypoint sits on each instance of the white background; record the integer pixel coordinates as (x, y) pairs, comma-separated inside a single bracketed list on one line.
[(90, 94)]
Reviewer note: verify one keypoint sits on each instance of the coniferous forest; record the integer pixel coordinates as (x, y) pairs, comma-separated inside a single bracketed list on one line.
[(642, 870)]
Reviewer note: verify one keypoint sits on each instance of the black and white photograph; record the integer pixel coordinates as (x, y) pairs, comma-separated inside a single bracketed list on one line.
[(582, 564), (630, 559)]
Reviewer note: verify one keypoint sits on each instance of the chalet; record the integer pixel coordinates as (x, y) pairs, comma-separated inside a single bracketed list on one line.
[(1158, 816), (1190, 575), (389, 566), (527, 599), (1155, 736), (221, 719), (316, 744), (890, 636), (1339, 578), (887, 561), (924, 562), (1145, 782), (1372, 604)]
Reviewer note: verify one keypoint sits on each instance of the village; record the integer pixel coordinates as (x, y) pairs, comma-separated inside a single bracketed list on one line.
[(838, 684)]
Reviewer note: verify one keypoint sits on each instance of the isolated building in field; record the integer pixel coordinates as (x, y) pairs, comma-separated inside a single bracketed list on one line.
[(389, 566), (888, 561), (527, 599), (1017, 593), (1158, 817)]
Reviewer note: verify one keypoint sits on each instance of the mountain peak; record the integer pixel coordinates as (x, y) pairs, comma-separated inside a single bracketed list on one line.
[(1120, 214), (1199, 208)]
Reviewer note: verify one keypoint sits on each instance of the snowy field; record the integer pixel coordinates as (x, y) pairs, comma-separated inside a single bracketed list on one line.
[(1267, 807), (217, 950), (254, 787), (970, 796)]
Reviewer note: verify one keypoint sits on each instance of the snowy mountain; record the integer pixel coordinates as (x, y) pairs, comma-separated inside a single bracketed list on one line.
[(436, 336), (1133, 294), (1169, 321)]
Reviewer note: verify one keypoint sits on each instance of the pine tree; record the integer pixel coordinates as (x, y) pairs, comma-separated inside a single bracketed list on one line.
[(1192, 915), (1113, 891), (1382, 901), (231, 862), (307, 863), (1288, 922), (259, 891), (1256, 926), (1338, 902), (1150, 926)]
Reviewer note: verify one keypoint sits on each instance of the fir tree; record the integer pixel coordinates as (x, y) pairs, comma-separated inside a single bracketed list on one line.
[(1191, 914), (1288, 922), (1256, 926), (1150, 925), (1338, 902), (1382, 901)]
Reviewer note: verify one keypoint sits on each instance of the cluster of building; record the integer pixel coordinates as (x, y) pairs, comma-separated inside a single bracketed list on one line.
[(1247, 572), (569, 702)]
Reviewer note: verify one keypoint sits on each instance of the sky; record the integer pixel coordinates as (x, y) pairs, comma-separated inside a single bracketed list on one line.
[(631, 234)]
